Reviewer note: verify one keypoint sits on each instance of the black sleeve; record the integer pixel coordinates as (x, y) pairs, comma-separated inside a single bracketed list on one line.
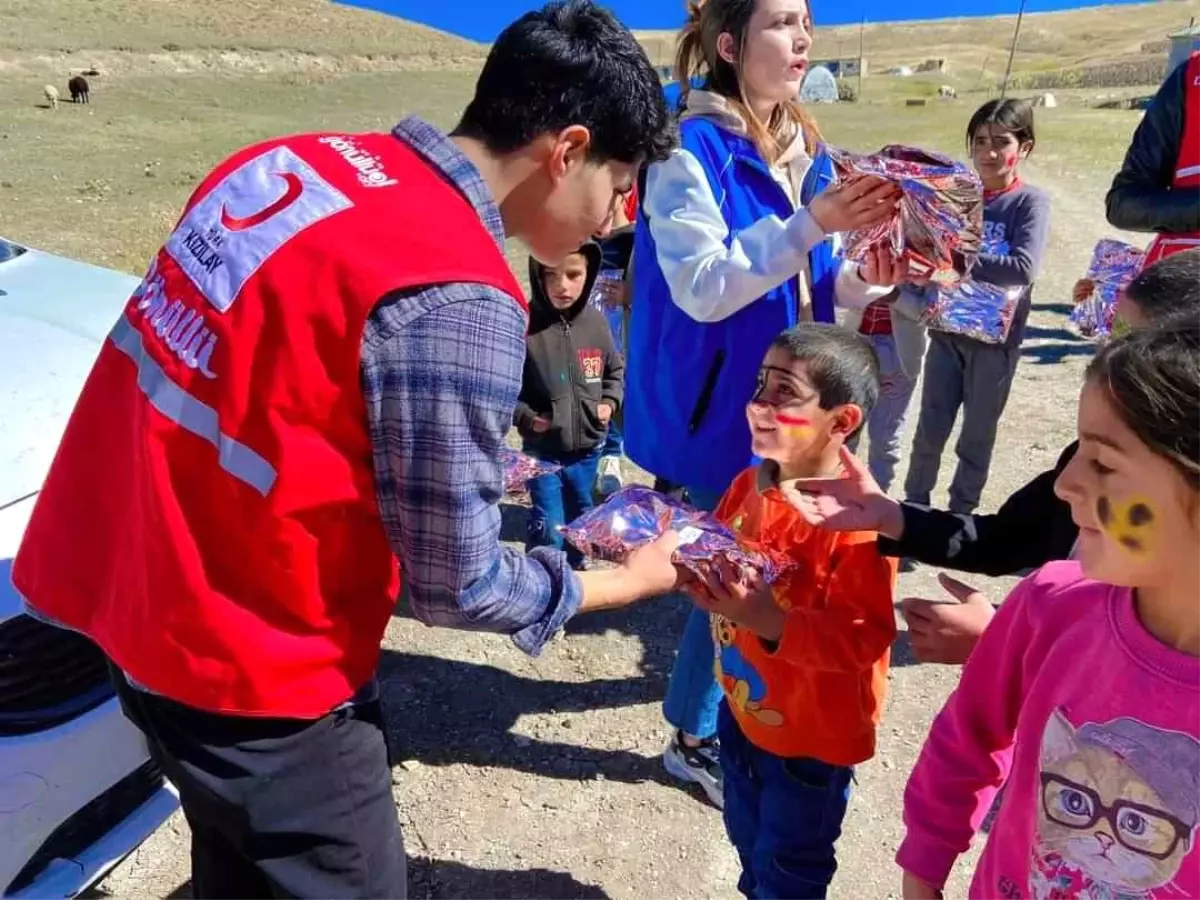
[(1141, 198), (1032, 528)]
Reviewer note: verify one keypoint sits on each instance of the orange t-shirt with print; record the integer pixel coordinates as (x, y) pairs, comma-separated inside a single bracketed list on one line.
[(819, 692)]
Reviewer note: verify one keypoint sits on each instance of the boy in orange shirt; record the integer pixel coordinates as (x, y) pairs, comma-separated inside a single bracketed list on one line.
[(804, 661)]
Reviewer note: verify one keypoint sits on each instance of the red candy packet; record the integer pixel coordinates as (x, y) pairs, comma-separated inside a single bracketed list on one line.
[(636, 516), (938, 226)]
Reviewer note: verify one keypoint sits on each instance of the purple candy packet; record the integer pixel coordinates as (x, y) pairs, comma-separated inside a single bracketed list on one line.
[(939, 224), (520, 468), (1114, 264), (636, 516)]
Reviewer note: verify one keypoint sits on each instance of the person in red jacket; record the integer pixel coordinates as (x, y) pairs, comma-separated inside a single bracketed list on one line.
[(304, 401), (1158, 187)]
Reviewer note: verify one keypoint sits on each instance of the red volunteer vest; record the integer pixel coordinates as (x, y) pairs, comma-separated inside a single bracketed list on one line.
[(1187, 169), (210, 517)]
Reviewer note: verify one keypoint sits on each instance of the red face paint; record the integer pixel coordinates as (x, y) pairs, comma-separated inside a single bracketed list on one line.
[(789, 421)]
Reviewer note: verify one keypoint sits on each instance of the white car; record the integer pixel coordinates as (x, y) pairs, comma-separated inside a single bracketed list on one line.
[(78, 791)]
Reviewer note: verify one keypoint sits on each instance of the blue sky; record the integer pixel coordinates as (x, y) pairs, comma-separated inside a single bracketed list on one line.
[(482, 20)]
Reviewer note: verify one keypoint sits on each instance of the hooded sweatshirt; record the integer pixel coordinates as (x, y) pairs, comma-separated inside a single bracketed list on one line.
[(571, 367)]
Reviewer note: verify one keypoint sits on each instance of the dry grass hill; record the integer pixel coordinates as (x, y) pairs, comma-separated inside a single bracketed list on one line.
[(173, 36), (977, 48), (179, 36)]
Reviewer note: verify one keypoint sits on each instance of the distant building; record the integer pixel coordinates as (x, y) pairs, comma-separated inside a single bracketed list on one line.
[(1183, 44), (843, 68)]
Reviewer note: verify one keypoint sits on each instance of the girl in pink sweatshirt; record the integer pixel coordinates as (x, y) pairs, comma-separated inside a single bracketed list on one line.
[(1083, 696)]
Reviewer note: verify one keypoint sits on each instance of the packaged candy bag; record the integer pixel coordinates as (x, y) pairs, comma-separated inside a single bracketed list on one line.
[(519, 469), (939, 224), (1114, 264), (974, 308), (614, 315), (635, 516)]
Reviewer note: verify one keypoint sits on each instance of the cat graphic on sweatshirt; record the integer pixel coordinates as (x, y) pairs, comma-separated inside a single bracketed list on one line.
[(1118, 810)]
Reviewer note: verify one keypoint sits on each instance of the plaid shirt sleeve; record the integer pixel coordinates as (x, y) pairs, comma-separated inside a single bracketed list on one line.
[(441, 370)]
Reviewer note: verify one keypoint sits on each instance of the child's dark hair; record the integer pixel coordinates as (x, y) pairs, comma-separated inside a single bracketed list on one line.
[(570, 63), (1152, 378), (696, 54), (841, 364), (1168, 288), (1011, 115)]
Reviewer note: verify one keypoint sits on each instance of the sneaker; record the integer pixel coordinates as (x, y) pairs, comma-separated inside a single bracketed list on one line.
[(908, 564), (701, 765), (608, 476)]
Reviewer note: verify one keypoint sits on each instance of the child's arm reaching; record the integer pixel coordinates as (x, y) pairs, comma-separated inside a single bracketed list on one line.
[(968, 752)]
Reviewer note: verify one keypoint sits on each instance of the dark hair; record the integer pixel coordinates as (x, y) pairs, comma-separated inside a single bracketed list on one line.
[(1152, 377), (1011, 115), (570, 63), (841, 364), (696, 55), (1168, 288)]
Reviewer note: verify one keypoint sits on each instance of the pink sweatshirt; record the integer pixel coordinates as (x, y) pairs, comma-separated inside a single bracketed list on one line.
[(1093, 728)]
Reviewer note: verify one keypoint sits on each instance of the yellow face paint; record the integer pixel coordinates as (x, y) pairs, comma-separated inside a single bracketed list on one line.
[(794, 426), (1129, 523)]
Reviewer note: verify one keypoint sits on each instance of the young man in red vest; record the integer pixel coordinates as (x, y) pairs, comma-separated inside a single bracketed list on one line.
[(1158, 187), (303, 403)]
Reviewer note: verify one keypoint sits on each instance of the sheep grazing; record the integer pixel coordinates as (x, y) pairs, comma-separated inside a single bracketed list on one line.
[(51, 93), (79, 89)]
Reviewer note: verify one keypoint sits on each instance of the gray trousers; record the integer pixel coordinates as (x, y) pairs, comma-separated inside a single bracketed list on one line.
[(962, 372), (886, 420)]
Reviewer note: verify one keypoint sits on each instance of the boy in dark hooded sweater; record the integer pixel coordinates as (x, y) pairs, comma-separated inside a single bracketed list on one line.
[(572, 387)]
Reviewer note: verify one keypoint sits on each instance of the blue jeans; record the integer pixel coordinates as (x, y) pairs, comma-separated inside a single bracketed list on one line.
[(559, 498), (693, 694), (783, 816), (614, 443)]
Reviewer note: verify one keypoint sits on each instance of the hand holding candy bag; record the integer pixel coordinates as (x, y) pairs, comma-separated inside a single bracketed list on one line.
[(519, 469), (1114, 264), (938, 226), (635, 516)]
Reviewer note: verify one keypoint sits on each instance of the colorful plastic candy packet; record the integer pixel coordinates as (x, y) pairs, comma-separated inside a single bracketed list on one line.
[(519, 469), (1113, 266), (939, 224), (974, 309), (614, 314), (635, 516)]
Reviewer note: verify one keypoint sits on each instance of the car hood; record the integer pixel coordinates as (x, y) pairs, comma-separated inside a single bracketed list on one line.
[(54, 316)]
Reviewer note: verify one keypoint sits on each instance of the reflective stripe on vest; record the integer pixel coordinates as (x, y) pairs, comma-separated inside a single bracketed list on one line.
[(189, 413)]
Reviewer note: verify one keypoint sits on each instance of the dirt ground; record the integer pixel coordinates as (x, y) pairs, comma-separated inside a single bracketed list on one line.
[(519, 777)]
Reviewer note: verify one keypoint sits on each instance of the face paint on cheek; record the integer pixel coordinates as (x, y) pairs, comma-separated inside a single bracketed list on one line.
[(794, 426), (1130, 524)]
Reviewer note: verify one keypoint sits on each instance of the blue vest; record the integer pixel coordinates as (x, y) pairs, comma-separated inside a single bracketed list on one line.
[(688, 383)]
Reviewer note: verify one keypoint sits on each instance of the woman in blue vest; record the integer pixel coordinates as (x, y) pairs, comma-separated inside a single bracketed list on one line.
[(736, 243)]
